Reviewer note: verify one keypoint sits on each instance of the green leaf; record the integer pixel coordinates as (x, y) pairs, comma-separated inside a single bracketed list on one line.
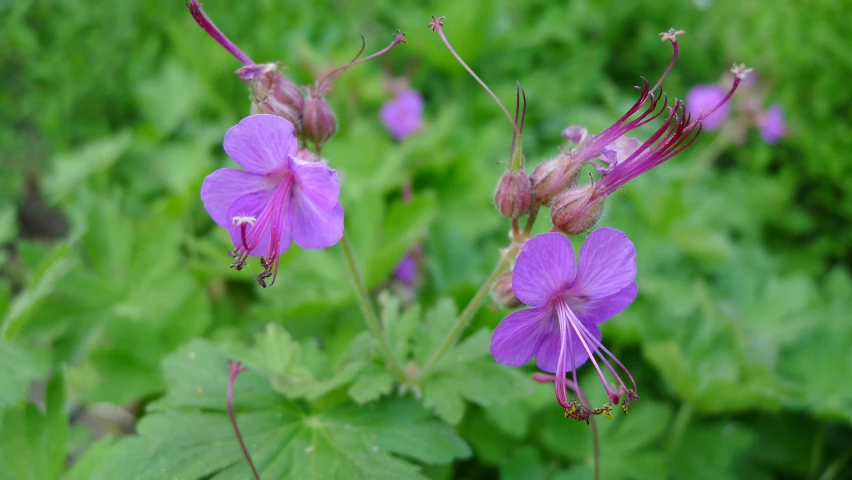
[(436, 323), (84, 467), (285, 440), (405, 224), (72, 169), (372, 383), (729, 441), (32, 443), (52, 269), (20, 367)]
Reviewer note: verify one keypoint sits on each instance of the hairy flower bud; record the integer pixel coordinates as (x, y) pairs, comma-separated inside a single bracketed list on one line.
[(503, 294), (274, 93), (318, 122), (576, 210), (514, 194), (554, 176)]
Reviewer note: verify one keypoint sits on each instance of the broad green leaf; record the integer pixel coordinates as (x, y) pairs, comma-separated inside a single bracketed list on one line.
[(70, 170), (20, 366), (372, 383), (84, 467), (692, 460), (52, 269), (285, 440), (32, 442)]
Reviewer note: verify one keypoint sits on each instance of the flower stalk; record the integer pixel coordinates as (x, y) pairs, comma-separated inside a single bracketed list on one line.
[(369, 311), (235, 370)]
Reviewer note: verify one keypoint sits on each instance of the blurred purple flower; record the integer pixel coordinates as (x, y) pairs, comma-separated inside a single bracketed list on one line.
[(276, 199), (406, 270), (403, 115), (703, 98), (569, 302), (771, 124)]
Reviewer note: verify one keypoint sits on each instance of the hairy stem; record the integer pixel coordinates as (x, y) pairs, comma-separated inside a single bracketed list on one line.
[(471, 309), (369, 312), (235, 369)]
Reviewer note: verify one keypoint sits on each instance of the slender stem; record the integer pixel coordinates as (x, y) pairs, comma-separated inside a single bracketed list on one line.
[(531, 221), (470, 310), (235, 369), (369, 312), (596, 443)]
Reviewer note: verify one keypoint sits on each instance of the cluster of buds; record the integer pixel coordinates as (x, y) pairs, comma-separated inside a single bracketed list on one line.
[(273, 93)]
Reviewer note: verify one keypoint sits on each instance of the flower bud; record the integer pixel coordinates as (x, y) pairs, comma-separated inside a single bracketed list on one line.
[(276, 94), (514, 194), (503, 294), (575, 210), (318, 122), (554, 176)]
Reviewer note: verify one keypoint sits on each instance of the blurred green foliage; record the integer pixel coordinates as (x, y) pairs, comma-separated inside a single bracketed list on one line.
[(115, 286)]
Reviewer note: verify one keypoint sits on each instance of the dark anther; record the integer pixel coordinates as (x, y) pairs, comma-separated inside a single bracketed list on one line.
[(234, 253), (238, 265), (261, 278)]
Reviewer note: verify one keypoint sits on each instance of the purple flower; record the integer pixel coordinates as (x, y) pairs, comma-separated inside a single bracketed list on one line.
[(276, 199), (771, 124), (406, 270), (702, 98), (569, 302), (403, 115)]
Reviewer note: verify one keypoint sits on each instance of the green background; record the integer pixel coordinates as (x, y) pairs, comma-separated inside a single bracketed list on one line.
[(114, 283)]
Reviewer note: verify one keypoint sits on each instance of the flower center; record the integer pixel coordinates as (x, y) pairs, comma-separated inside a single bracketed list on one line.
[(269, 222)]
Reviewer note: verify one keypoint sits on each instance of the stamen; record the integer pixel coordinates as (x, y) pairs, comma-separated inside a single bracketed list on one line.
[(204, 22), (324, 84), (436, 25), (740, 73), (560, 384), (671, 36), (571, 320)]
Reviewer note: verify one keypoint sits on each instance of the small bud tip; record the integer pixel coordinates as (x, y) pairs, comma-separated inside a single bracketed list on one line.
[(671, 35), (399, 37)]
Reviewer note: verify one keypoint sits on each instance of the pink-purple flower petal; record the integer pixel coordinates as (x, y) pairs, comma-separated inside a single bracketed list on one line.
[(316, 181), (599, 310), (520, 335), (261, 143), (575, 133), (545, 268), (771, 124), (617, 151), (222, 187), (607, 265), (403, 115), (313, 227)]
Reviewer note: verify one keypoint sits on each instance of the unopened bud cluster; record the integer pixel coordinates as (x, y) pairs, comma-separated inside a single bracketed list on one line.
[(273, 93)]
